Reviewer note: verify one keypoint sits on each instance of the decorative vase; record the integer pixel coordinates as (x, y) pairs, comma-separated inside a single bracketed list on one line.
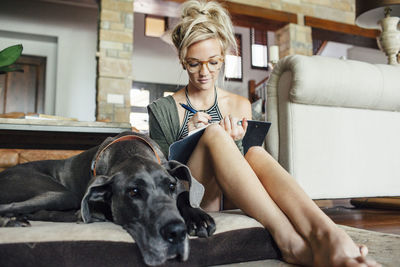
[(389, 40)]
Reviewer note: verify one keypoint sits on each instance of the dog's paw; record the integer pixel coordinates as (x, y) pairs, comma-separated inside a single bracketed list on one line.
[(17, 222), (199, 223)]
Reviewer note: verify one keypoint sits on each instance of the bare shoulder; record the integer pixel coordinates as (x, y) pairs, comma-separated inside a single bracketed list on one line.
[(179, 96), (230, 103)]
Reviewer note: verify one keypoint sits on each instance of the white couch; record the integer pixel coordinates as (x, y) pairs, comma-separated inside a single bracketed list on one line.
[(336, 125)]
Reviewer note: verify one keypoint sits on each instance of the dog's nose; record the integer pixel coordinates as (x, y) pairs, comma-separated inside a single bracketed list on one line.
[(174, 232)]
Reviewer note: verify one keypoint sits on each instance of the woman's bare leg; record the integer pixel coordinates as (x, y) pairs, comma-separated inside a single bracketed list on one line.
[(330, 245), (216, 155), (325, 244)]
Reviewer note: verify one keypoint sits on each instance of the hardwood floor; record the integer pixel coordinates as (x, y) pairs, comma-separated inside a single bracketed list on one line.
[(380, 220)]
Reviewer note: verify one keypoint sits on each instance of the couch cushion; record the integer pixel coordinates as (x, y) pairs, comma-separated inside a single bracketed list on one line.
[(8, 158), (328, 81), (238, 238)]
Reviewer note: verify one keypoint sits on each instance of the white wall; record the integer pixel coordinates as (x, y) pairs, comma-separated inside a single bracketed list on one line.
[(365, 54), (73, 30), (155, 61), (340, 50)]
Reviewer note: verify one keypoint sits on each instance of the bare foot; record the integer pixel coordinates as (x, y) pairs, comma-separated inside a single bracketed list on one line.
[(336, 248), (294, 249)]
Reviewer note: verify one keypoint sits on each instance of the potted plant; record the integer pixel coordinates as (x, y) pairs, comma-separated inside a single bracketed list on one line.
[(8, 57)]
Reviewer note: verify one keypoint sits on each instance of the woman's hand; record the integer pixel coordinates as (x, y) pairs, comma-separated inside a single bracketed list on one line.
[(231, 126), (199, 120)]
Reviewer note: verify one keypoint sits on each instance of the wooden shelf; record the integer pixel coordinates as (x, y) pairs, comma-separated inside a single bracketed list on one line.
[(339, 27)]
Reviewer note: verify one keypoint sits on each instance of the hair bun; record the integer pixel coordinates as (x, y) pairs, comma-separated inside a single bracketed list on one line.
[(202, 20)]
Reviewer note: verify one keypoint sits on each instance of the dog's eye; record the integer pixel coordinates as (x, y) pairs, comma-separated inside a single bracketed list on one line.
[(172, 187), (133, 192)]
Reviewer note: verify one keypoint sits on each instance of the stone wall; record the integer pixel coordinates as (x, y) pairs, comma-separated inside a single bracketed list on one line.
[(294, 39), (115, 47), (297, 38)]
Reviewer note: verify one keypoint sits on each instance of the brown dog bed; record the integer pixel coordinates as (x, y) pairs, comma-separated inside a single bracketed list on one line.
[(238, 238)]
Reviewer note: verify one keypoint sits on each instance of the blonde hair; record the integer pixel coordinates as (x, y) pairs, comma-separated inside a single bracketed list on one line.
[(200, 21)]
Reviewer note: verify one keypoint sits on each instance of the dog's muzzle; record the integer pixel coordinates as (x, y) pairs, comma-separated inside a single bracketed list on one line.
[(174, 232)]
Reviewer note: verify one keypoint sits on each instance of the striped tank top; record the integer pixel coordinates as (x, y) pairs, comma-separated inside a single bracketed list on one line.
[(213, 111)]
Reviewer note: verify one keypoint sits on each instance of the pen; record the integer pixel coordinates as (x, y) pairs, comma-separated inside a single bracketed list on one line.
[(195, 111), (188, 108)]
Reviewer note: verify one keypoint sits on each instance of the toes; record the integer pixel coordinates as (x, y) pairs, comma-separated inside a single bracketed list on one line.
[(191, 228), (202, 232), (367, 262), (363, 250), (202, 227), (211, 229), (199, 223), (208, 224), (17, 222)]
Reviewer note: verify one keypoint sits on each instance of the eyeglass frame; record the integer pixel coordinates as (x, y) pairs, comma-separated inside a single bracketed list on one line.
[(202, 62)]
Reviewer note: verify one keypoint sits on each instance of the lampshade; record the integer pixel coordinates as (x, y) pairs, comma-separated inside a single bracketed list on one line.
[(369, 12)]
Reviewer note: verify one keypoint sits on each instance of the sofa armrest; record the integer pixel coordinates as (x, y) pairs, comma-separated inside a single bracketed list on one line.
[(344, 83), (327, 81)]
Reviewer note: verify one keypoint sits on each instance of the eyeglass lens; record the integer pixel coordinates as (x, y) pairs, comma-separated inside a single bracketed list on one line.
[(212, 65)]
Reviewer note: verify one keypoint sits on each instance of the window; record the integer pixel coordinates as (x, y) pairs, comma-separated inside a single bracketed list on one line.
[(234, 63), (155, 26), (139, 118), (168, 93), (259, 49), (141, 95)]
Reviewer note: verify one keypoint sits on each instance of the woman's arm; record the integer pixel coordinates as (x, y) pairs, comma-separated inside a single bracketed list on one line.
[(157, 134)]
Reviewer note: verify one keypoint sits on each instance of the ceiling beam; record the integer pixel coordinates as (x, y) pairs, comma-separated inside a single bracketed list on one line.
[(334, 26), (256, 17), (357, 40), (80, 3)]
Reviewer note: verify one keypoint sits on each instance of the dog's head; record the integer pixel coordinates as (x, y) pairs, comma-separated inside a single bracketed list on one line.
[(141, 196)]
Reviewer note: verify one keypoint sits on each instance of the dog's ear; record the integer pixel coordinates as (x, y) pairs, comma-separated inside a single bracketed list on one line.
[(98, 191), (182, 172), (100, 162)]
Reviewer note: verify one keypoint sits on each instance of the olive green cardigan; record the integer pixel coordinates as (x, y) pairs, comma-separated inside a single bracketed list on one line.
[(164, 123)]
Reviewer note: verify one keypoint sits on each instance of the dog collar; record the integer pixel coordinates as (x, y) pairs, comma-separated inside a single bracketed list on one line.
[(124, 138)]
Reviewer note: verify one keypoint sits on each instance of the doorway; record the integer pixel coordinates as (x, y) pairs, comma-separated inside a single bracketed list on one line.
[(24, 92)]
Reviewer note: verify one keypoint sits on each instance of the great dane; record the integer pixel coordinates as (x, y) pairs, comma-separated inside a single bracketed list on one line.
[(126, 180)]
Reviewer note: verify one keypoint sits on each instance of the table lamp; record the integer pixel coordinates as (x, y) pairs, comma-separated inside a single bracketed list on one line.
[(383, 15), (274, 54)]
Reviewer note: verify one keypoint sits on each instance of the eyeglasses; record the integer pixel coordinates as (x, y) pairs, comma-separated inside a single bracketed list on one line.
[(212, 64)]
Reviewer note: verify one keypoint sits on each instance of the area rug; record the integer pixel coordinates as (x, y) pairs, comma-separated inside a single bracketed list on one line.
[(384, 248)]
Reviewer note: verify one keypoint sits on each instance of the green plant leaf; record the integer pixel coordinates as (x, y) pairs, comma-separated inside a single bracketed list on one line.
[(9, 55)]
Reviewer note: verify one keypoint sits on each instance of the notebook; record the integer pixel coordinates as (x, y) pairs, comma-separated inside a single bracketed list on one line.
[(255, 135)]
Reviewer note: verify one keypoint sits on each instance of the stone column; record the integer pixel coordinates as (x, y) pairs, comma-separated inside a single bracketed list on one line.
[(294, 39), (115, 45)]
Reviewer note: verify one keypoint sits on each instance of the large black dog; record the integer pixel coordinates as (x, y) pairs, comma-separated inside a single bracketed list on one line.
[(126, 180)]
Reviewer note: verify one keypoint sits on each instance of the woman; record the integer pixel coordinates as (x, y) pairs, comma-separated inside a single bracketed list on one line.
[(255, 182)]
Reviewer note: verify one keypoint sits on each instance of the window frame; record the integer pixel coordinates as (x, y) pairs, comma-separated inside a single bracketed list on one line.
[(238, 37), (251, 49)]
